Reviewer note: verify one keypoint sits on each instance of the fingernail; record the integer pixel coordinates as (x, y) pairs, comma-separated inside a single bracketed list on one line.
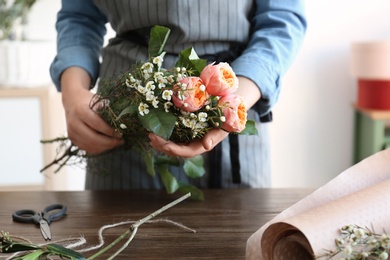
[(210, 144)]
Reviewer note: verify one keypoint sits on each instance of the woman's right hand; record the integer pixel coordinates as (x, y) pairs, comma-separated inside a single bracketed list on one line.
[(86, 129)]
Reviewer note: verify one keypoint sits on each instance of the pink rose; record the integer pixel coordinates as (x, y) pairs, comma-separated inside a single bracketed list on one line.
[(220, 79), (234, 111), (192, 97)]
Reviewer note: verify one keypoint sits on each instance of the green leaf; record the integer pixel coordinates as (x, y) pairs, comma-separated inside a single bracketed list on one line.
[(250, 128), (158, 37), (165, 159), (170, 183), (32, 256), (128, 110), (12, 247), (64, 252), (193, 167), (149, 162), (189, 59), (196, 194), (159, 122)]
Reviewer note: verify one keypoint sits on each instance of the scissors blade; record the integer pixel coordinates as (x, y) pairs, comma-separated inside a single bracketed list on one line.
[(45, 229)]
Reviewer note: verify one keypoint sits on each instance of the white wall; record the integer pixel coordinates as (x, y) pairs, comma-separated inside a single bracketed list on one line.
[(312, 132)]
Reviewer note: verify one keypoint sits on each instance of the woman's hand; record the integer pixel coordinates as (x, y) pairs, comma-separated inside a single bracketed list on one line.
[(86, 129), (207, 143), (249, 92)]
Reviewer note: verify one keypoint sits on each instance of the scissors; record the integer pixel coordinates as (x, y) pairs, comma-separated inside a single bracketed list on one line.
[(43, 219)]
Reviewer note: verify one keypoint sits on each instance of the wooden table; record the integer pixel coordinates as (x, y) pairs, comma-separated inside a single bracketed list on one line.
[(223, 221)]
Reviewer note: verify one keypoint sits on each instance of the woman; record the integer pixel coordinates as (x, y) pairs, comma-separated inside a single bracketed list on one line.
[(259, 38)]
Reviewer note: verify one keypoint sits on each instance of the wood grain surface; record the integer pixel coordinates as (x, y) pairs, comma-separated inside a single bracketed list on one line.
[(223, 221)]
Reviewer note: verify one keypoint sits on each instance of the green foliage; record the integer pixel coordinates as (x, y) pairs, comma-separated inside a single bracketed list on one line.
[(250, 128), (190, 60), (158, 37), (10, 13), (159, 122), (64, 252), (170, 182), (8, 245), (193, 167), (196, 194)]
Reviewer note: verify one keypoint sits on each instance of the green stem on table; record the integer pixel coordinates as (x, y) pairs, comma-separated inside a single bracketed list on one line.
[(134, 227)]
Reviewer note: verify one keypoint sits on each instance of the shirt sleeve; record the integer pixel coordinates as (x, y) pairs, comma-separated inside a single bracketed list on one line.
[(278, 28), (80, 34)]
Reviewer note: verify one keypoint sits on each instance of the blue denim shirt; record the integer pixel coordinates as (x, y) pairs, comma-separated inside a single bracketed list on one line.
[(276, 31)]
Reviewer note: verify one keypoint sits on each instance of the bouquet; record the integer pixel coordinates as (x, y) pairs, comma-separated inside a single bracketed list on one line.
[(180, 104)]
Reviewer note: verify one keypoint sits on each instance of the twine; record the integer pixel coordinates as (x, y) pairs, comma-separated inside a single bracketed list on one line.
[(72, 243)]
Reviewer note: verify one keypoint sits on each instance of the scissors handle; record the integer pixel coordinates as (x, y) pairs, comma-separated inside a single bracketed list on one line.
[(26, 216), (53, 212)]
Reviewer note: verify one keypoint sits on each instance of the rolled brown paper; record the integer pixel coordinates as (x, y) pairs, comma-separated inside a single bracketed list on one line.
[(374, 94), (359, 195)]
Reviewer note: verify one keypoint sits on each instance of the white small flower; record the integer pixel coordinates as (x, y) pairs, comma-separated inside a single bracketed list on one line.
[(184, 70), (360, 233), (202, 116), (147, 69), (149, 95), (106, 103), (143, 109), (340, 241), (186, 122), (201, 125), (208, 107), (129, 84), (223, 119), (167, 106), (171, 79), (178, 69), (150, 85), (373, 242), (167, 94), (183, 86), (123, 126), (383, 255), (155, 102), (159, 60), (141, 89), (202, 88), (348, 250)]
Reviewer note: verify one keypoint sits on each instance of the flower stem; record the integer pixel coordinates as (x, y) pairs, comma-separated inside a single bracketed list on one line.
[(134, 227)]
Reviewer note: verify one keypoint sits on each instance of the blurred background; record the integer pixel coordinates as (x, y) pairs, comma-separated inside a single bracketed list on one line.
[(313, 135)]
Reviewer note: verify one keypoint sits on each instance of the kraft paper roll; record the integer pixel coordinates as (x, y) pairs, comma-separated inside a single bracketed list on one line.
[(359, 195), (374, 94), (370, 60)]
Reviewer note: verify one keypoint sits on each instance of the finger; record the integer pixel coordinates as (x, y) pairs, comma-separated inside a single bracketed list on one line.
[(94, 142), (212, 138), (194, 148), (95, 122), (89, 139)]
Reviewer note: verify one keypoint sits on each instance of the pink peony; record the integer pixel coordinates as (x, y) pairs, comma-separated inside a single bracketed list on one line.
[(220, 79), (193, 97), (234, 110)]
